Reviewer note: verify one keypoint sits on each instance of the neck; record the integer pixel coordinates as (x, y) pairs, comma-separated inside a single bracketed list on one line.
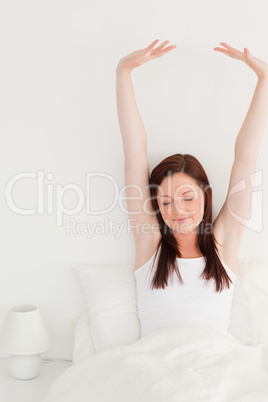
[(187, 242)]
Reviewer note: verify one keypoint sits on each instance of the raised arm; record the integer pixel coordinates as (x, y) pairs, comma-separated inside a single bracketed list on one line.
[(249, 138), (236, 211), (134, 139), (131, 126)]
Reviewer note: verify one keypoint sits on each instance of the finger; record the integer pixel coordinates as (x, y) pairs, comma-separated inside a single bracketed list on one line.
[(161, 46), (167, 49), (230, 47), (150, 47), (157, 49), (219, 49)]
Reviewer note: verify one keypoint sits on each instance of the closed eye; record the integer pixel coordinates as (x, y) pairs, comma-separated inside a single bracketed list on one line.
[(186, 199)]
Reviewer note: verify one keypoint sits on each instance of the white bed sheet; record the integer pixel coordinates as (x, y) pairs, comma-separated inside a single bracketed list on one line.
[(83, 344), (185, 362)]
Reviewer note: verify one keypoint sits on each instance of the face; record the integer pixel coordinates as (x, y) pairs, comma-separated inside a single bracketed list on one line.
[(178, 197)]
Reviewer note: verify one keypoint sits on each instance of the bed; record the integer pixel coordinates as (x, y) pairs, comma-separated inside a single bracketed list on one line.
[(184, 362)]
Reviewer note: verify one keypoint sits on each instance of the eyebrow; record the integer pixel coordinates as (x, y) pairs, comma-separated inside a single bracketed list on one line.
[(189, 191)]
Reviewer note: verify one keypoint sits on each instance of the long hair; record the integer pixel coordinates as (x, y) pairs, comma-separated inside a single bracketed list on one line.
[(168, 245)]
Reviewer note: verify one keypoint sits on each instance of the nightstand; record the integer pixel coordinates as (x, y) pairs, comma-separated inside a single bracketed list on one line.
[(34, 390)]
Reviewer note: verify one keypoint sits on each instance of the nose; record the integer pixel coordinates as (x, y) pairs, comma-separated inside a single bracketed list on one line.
[(179, 206)]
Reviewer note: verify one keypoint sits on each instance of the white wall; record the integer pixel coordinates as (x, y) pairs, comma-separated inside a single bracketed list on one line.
[(58, 115)]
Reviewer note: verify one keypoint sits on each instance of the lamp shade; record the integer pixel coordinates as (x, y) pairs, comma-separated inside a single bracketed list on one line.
[(24, 331)]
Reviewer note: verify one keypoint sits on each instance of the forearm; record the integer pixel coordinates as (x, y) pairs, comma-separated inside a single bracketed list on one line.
[(249, 138), (131, 126)]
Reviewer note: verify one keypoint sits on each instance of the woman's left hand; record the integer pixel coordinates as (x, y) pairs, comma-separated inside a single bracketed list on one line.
[(257, 65)]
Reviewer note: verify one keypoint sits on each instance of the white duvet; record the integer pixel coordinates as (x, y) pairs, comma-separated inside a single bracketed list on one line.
[(184, 362)]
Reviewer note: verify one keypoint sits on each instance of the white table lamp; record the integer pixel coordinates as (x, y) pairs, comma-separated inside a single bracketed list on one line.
[(24, 336)]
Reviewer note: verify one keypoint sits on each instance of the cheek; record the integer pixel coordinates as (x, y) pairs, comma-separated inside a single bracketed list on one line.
[(166, 212), (197, 207), (201, 207)]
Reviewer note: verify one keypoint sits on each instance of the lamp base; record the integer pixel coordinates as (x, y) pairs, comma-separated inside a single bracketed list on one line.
[(24, 367)]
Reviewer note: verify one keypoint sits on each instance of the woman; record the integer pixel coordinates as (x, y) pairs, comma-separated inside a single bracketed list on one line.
[(171, 213)]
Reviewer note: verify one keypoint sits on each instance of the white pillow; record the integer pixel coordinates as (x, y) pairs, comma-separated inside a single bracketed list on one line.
[(110, 291), (83, 344)]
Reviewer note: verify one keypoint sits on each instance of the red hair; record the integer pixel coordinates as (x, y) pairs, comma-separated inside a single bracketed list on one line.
[(168, 245)]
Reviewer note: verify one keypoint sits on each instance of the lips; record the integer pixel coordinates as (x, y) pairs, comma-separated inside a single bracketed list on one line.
[(181, 219)]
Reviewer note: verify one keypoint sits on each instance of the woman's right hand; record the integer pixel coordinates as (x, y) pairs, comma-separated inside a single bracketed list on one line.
[(141, 56)]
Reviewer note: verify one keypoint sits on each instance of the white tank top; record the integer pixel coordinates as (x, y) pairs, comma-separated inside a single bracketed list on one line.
[(196, 301)]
